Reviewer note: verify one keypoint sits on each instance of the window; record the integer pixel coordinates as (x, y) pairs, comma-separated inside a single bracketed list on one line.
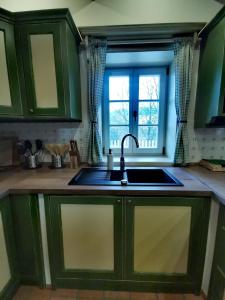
[(134, 102)]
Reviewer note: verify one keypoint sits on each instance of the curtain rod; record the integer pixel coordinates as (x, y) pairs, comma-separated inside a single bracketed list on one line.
[(132, 42), (137, 42)]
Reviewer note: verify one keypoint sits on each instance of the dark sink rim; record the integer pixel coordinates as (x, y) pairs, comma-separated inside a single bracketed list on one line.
[(74, 180)]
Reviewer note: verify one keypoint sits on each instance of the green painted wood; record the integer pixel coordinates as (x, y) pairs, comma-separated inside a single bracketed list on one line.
[(60, 23), (25, 32), (217, 280), (66, 39), (26, 221), (211, 78), (73, 74), (12, 285), (197, 242), (124, 278), (16, 108), (50, 15), (55, 238), (125, 285)]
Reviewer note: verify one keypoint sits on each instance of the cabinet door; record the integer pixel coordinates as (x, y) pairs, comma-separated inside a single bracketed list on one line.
[(8, 278), (211, 77), (165, 241), (26, 222), (10, 98), (217, 281), (84, 234), (43, 67), (217, 291)]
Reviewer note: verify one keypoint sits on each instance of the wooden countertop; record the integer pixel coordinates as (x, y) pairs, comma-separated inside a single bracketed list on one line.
[(215, 181), (48, 181)]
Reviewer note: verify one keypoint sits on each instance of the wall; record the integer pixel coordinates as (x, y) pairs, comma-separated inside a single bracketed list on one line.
[(108, 12), (171, 117)]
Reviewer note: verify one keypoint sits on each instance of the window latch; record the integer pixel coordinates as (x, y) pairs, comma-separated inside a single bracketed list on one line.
[(135, 115)]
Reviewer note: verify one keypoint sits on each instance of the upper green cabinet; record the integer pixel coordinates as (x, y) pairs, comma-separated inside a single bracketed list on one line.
[(48, 49), (10, 96), (48, 64), (210, 102)]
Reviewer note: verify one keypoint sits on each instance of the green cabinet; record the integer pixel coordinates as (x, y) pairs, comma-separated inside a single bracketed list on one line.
[(217, 281), (138, 243), (39, 63), (210, 101), (10, 93), (26, 223), (48, 46), (8, 269), (85, 239)]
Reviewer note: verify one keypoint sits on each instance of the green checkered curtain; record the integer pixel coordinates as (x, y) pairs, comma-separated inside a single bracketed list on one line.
[(96, 55), (183, 59)]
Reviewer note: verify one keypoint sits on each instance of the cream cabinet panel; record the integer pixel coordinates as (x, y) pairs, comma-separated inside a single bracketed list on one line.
[(224, 295), (43, 63), (5, 97), (161, 239), (88, 236), (5, 274)]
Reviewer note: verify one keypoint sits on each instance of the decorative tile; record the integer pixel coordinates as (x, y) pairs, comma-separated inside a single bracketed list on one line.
[(207, 143), (49, 133)]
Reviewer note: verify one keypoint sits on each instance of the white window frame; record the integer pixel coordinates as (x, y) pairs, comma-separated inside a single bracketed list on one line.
[(133, 105)]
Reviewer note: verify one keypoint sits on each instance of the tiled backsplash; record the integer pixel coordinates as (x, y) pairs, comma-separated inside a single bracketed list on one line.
[(49, 133), (211, 143), (208, 143)]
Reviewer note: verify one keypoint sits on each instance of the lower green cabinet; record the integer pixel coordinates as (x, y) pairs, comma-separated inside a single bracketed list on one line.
[(127, 243), (217, 291), (217, 282), (85, 239), (8, 267), (26, 221), (165, 241)]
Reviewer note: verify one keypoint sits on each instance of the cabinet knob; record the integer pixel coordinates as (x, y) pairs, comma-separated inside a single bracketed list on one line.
[(129, 201), (31, 110), (118, 201)]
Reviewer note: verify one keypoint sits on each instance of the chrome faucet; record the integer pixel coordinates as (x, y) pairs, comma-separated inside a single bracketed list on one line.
[(122, 161)]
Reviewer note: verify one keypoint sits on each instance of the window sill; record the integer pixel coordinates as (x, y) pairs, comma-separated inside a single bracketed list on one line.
[(143, 160)]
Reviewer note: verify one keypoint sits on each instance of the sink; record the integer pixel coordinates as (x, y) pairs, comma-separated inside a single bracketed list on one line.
[(133, 177), (150, 176)]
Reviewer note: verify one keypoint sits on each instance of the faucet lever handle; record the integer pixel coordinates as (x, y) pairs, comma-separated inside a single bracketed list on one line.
[(135, 115)]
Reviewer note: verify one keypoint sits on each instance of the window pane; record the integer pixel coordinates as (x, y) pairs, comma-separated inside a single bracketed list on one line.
[(119, 88), (149, 87), (119, 113), (116, 134), (148, 136), (148, 113)]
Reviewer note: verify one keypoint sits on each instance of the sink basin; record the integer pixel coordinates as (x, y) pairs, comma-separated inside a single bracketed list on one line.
[(93, 176), (151, 176), (136, 177)]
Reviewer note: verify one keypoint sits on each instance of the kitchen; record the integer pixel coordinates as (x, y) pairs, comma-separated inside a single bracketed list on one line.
[(79, 78)]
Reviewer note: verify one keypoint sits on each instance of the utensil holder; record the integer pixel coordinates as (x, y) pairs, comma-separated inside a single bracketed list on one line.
[(31, 162), (57, 161)]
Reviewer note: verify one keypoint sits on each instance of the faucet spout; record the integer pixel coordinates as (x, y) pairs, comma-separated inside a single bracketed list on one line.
[(122, 160)]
